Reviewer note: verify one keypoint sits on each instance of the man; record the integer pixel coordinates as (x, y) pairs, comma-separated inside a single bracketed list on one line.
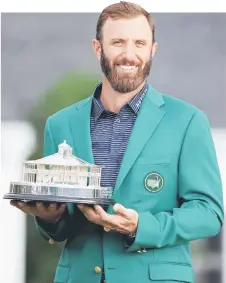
[(158, 155)]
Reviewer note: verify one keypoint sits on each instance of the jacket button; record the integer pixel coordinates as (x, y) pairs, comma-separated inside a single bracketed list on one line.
[(97, 269)]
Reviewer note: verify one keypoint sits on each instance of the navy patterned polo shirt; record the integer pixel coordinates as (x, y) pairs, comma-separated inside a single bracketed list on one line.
[(110, 133)]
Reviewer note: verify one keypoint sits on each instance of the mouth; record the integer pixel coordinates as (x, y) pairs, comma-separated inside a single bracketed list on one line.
[(127, 68)]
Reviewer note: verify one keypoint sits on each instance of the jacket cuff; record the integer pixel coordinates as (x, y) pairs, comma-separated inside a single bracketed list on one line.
[(49, 229), (147, 233), (129, 239)]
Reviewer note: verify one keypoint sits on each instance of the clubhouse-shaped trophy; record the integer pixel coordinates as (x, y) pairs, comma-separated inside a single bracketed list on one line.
[(61, 177)]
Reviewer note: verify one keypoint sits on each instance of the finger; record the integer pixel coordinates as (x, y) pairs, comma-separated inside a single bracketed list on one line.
[(108, 220), (24, 207), (61, 208), (121, 210), (80, 206), (122, 231), (14, 202), (101, 212), (89, 212), (107, 229), (85, 208), (52, 207), (39, 204), (40, 207), (61, 204)]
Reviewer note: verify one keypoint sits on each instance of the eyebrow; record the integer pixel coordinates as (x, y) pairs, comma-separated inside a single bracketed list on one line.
[(117, 39), (122, 39)]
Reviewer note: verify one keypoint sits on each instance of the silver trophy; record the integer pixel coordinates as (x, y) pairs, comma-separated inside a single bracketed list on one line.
[(61, 177)]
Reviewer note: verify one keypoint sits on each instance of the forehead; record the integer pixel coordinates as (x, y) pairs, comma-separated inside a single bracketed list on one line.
[(135, 28)]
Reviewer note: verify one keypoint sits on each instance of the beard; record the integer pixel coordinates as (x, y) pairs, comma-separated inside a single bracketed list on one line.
[(124, 83)]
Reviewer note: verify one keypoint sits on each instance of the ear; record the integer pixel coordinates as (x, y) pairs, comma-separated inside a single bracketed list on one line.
[(154, 48), (96, 48)]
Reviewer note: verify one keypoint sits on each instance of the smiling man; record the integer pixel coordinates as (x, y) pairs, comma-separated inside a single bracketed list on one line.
[(125, 54), (158, 155)]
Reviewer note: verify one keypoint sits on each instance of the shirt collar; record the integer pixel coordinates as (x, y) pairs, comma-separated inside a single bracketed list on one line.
[(134, 103), (98, 107)]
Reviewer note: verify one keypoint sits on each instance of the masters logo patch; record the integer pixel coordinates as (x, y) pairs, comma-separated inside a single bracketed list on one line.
[(153, 182)]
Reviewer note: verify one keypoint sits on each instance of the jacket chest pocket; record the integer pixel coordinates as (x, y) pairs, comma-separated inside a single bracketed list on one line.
[(148, 160), (151, 179)]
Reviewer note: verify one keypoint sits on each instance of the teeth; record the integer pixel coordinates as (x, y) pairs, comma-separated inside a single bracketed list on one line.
[(127, 67)]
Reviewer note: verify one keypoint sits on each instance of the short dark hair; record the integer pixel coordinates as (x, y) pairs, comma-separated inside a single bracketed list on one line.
[(122, 10)]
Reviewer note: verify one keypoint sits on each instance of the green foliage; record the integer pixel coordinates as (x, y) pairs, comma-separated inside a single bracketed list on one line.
[(69, 90), (42, 257)]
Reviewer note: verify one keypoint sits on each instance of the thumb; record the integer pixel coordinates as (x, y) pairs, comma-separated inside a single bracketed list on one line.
[(120, 209)]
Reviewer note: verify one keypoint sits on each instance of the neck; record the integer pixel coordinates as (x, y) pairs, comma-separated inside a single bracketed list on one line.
[(113, 100)]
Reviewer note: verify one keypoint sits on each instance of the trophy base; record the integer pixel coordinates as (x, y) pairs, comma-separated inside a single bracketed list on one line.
[(58, 199), (60, 193)]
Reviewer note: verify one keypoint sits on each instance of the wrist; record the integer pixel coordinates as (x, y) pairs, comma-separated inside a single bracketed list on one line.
[(132, 235), (50, 220), (134, 231), (54, 219)]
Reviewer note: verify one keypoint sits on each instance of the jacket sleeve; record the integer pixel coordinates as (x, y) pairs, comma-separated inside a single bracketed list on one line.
[(201, 213), (63, 228)]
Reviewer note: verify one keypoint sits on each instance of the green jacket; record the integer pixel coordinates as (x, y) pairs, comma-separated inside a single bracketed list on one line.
[(169, 175)]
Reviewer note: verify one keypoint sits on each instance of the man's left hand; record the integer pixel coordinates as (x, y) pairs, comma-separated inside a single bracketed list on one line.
[(125, 221)]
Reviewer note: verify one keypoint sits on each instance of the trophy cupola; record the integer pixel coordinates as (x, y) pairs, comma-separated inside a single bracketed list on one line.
[(64, 149)]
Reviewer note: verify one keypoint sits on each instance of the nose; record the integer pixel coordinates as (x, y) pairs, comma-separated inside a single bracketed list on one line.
[(129, 52)]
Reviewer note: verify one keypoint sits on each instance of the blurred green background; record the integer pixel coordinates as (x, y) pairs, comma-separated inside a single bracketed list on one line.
[(72, 88)]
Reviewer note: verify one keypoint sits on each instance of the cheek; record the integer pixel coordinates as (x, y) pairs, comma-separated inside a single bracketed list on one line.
[(113, 54), (145, 62), (144, 55)]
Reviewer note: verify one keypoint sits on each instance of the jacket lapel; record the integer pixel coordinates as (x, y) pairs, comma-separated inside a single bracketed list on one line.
[(80, 129), (149, 117)]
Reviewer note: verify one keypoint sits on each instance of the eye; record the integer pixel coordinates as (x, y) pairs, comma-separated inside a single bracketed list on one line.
[(117, 43), (140, 43)]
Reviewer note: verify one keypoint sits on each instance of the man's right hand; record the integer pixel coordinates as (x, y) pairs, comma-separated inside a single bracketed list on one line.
[(48, 212)]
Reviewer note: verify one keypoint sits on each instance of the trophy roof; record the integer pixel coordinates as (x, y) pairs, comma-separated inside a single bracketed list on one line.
[(58, 159), (63, 157)]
